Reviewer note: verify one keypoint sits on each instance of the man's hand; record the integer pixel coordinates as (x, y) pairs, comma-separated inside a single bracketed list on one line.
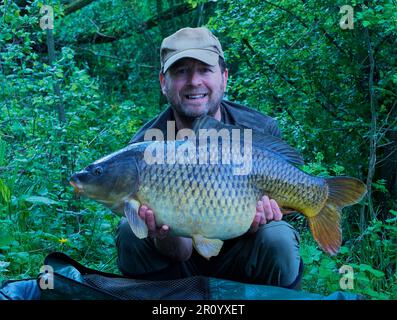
[(146, 214), (266, 210), (176, 248)]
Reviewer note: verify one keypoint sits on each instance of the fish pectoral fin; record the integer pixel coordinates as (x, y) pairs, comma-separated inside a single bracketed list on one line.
[(137, 225), (207, 247)]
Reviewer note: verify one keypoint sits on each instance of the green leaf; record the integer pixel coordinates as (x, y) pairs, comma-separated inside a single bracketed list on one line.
[(2, 152), (40, 200), (6, 238), (5, 192), (344, 250), (366, 23), (376, 273), (4, 265)]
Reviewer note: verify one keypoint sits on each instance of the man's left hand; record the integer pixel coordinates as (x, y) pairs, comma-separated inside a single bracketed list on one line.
[(266, 210)]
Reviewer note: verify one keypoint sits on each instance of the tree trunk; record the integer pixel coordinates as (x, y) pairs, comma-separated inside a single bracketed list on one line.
[(60, 107), (387, 170), (57, 90), (373, 136)]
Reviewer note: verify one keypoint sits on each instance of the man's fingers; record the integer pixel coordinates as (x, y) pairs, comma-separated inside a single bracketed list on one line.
[(163, 232), (258, 217), (267, 208), (151, 224), (142, 212), (276, 210), (260, 211), (259, 207)]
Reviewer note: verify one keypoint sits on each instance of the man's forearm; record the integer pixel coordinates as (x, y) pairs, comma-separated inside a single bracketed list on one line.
[(176, 248)]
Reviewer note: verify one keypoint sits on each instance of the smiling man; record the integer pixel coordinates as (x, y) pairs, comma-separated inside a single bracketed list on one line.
[(193, 77)]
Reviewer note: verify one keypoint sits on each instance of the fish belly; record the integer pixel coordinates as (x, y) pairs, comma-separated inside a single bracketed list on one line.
[(206, 200)]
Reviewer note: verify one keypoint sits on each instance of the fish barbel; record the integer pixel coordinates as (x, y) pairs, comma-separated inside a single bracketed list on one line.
[(209, 202)]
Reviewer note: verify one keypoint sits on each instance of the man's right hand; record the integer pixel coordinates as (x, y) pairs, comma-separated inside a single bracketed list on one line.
[(147, 215), (176, 248)]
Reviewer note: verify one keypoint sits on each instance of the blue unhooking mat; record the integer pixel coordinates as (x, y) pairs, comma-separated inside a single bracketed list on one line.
[(69, 280)]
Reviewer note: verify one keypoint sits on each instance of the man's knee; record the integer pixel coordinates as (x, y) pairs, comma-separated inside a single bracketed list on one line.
[(140, 259), (127, 245), (125, 238), (136, 256), (279, 243)]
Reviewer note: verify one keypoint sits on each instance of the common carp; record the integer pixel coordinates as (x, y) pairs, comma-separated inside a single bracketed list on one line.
[(208, 201)]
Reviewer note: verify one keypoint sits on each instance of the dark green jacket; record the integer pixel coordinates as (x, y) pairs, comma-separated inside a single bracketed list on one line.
[(232, 113)]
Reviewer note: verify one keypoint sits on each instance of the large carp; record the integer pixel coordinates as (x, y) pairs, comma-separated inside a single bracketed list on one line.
[(208, 201)]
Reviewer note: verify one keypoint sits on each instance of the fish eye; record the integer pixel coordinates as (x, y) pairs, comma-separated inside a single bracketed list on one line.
[(97, 171)]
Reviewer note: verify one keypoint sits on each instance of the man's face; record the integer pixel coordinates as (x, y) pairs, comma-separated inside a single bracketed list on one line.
[(194, 88)]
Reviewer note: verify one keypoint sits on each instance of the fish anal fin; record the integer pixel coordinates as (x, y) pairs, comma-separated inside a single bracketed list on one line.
[(137, 225), (207, 247)]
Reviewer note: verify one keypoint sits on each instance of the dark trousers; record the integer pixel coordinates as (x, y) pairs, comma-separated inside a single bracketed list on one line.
[(269, 256)]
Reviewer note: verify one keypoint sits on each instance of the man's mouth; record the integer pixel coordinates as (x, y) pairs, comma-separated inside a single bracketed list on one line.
[(195, 96)]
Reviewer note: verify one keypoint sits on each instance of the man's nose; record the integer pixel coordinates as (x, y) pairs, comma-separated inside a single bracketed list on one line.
[(195, 79)]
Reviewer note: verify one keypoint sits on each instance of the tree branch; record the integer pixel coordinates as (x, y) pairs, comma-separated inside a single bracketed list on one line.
[(326, 34), (373, 137), (168, 14), (293, 84), (76, 5)]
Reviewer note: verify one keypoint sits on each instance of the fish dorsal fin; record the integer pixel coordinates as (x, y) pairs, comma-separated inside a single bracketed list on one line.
[(137, 225), (207, 247), (259, 140), (278, 146)]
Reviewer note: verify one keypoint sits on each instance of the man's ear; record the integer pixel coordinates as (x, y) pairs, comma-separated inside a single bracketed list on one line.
[(162, 81), (225, 76)]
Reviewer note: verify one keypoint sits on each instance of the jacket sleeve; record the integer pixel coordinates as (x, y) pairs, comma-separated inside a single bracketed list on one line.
[(247, 117)]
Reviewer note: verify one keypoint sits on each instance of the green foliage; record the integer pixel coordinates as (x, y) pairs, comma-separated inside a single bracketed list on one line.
[(289, 59), (39, 213), (294, 62), (372, 258)]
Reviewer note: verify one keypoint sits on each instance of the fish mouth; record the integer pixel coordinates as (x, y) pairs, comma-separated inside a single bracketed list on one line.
[(78, 188)]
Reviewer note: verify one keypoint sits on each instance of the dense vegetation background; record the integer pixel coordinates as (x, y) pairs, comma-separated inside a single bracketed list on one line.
[(75, 93)]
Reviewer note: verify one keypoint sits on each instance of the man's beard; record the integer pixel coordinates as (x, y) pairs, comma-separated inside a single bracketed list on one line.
[(189, 113)]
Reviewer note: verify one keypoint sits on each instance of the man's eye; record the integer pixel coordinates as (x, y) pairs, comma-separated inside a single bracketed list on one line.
[(181, 71)]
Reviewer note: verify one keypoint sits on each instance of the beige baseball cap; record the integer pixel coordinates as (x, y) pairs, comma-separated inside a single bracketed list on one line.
[(196, 43)]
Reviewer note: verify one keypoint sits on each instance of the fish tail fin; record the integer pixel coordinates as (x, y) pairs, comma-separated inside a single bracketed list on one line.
[(325, 226)]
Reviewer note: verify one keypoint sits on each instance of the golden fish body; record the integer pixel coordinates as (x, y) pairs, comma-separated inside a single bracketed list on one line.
[(207, 200), (212, 201)]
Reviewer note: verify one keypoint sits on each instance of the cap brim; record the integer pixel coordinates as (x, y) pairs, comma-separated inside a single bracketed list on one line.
[(206, 56)]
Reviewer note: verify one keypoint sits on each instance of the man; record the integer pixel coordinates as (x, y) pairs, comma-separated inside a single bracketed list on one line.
[(193, 78)]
